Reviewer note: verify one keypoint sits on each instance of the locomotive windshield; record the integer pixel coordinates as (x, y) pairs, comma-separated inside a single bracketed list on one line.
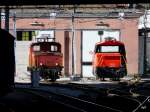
[(46, 48), (110, 49), (53, 48), (36, 48)]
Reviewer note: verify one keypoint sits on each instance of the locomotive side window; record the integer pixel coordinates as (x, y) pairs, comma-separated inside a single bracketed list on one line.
[(36, 48)]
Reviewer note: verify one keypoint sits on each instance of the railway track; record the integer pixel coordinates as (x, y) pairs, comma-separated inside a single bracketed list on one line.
[(79, 105), (107, 96), (117, 98)]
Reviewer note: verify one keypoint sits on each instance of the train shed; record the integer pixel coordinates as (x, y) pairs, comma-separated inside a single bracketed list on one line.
[(76, 27)]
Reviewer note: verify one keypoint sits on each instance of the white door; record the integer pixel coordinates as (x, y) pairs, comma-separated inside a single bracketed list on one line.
[(89, 39)]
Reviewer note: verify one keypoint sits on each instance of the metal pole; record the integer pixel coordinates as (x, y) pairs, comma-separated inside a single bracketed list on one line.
[(7, 18), (14, 25), (72, 44), (0, 18), (81, 47), (145, 57), (100, 38), (74, 50), (145, 45)]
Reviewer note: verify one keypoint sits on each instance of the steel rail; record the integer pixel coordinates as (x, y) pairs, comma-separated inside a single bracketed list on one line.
[(93, 89), (135, 110), (123, 96), (74, 100)]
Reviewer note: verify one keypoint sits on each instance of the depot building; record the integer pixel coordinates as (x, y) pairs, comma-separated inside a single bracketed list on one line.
[(78, 33)]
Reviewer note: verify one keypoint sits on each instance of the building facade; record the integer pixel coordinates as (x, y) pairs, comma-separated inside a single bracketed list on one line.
[(79, 34)]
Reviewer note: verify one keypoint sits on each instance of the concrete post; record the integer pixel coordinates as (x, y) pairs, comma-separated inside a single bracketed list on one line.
[(0, 18), (35, 78), (7, 19)]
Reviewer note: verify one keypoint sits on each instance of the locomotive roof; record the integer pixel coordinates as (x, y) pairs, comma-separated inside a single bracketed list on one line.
[(50, 43), (110, 42)]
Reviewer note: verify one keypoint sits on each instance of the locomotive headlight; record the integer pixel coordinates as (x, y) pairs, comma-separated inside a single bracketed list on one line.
[(56, 64), (41, 64)]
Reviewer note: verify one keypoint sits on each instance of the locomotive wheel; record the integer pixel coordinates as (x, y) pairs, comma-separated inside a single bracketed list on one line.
[(102, 79), (54, 76), (115, 79), (53, 79)]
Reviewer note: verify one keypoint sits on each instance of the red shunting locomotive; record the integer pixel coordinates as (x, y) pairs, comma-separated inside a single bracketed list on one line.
[(109, 59), (46, 57)]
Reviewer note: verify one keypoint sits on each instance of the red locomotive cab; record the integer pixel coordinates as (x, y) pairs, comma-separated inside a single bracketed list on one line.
[(47, 57), (46, 54), (109, 59)]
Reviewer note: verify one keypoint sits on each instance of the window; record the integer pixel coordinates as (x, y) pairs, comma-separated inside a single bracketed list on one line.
[(54, 48), (36, 48), (110, 49), (107, 49), (25, 35)]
